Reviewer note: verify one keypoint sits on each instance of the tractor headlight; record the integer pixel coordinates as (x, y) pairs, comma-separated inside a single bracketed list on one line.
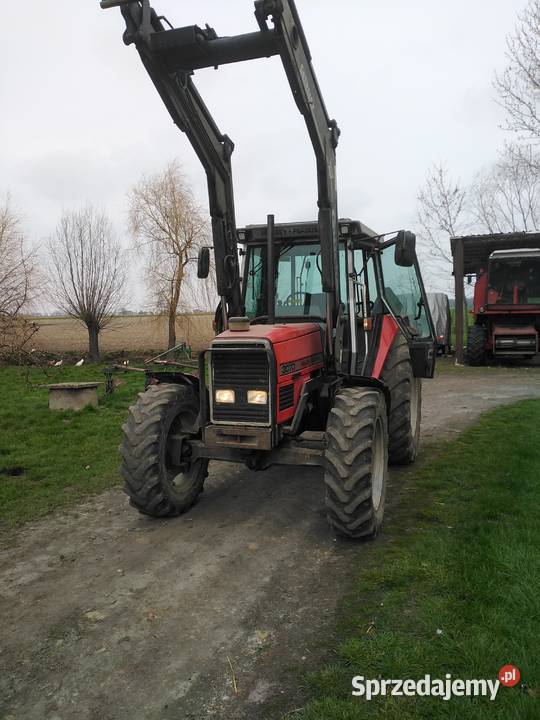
[(225, 396), (257, 397)]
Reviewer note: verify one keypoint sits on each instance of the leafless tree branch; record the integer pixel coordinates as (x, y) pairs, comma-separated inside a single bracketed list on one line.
[(518, 86), (87, 270), (19, 285), (503, 198), (169, 228), (17, 264), (442, 214), (506, 197)]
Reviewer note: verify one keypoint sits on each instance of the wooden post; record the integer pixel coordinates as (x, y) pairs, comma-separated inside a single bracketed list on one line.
[(460, 297)]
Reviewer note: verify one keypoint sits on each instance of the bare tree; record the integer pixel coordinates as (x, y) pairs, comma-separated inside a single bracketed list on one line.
[(17, 263), (506, 197), (19, 283), (87, 270), (518, 86), (503, 198), (169, 227), (442, 214)]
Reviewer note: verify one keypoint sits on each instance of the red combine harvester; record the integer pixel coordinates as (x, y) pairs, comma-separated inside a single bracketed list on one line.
[(506, 305), (324, 330)]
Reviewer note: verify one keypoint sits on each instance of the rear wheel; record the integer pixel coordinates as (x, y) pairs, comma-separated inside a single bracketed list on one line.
[(155, 482), (476, 345), (405, 403), (356, 462)]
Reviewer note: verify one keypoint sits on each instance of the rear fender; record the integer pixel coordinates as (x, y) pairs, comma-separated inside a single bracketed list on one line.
[(384, 333), (157, 377), (367, 382)]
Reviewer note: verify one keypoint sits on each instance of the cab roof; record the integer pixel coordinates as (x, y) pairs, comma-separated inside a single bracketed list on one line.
[(302, 231), (515, 254), (477, 249)]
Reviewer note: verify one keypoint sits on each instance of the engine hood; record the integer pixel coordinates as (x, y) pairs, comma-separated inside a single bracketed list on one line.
[(274, 333)]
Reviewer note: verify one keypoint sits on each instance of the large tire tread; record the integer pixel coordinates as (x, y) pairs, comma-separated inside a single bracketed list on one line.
[(476, 345), (398, 376), (142, 452), (348, 474)]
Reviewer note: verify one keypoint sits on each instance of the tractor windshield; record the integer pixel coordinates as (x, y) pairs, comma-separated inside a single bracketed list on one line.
[(298, 281), (514, 281)]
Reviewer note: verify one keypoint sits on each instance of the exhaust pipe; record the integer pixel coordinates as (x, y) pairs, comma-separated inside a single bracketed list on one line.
[(270, 271)]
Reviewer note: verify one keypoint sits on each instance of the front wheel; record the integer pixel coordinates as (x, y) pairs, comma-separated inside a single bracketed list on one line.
[(153, 480), (356, 462)]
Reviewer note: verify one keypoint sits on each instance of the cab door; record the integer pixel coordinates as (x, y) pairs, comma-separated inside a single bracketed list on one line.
[(402, 291)]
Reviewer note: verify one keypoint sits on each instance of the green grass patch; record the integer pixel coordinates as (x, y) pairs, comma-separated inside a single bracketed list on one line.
[(49, 459), (453, 584)]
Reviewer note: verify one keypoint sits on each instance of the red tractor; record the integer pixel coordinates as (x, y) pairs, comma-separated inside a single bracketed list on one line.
[(506, 308), (324, 331)]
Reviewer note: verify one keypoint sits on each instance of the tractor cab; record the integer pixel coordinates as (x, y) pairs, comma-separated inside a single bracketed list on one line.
[(374, 281), (514, 278), (272, 372)]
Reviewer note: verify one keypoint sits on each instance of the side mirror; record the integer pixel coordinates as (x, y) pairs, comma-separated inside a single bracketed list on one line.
[(405, 252), (203, 263)]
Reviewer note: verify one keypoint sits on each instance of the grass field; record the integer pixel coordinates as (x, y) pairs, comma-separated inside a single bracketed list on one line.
[(453, 586), (66, 337), (50, 459)]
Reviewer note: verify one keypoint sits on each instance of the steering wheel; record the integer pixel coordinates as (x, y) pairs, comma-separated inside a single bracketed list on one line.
[(290, 299)]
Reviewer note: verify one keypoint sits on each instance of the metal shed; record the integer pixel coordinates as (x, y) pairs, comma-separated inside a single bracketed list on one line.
[(470, 254)]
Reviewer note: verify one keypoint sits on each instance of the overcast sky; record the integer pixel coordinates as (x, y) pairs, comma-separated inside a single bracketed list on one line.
[(410, 83)]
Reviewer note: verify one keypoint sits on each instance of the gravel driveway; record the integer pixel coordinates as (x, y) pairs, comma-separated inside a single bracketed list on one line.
[(106, 614)]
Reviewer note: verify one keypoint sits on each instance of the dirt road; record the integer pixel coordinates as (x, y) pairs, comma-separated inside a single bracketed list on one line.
[(107, 615)]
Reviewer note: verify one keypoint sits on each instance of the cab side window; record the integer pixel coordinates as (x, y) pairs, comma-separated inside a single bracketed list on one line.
[(403, 294)]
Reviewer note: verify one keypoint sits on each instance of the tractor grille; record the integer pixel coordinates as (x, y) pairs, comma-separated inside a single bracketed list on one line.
[(515, 320), (515, 344), (241, 369), (286, 397)]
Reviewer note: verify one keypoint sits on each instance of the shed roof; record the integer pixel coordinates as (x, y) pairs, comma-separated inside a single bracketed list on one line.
[(478, 248)]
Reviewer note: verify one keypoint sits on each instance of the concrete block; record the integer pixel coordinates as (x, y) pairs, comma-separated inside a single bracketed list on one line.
[(73, 396)]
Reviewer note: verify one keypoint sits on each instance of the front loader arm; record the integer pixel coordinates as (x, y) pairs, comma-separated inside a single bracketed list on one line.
[(213, 149), (170, 57), (323, 132)]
